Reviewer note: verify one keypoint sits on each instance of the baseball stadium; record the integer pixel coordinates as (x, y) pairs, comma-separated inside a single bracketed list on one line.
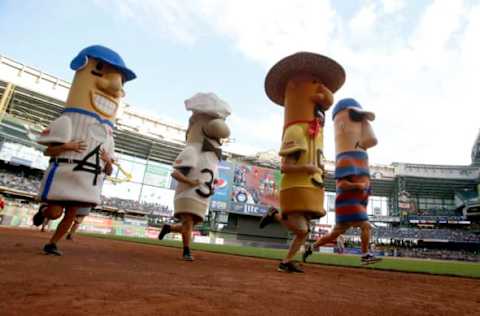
[(425, 219)]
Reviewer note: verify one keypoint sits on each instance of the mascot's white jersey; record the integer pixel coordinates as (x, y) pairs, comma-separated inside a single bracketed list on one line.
[(202, 166), (72, 176)]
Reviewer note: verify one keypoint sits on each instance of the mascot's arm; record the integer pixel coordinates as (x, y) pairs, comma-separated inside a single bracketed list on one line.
[(54, 150), (108, 169), (289, 166), (179, 176), (345, 184), (186, 160), (294, 145)]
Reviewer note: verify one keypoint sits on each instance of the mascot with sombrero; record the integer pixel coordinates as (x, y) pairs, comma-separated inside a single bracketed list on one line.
[(80, 141), (304, 84), (195, 168), (353, 136)]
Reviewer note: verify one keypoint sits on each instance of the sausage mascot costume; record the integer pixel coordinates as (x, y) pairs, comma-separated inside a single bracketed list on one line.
[(353, 136), (303, 84), (195, 168), (80, 141)]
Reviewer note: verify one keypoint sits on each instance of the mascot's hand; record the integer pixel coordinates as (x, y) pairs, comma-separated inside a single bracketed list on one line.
[(344, 184), (311, 169), (324, 97), (195, 182), (76, 146), (105, 157)]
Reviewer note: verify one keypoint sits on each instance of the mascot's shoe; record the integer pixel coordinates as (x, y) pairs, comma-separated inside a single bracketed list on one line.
[(289, 267), (187, 256), (165, 230), (51, 249), (39, 217), (69, 237), (369, 259), (307, 253), (268, 218)]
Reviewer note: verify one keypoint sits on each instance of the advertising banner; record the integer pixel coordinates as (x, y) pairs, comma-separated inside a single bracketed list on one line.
[(223, 187), (96, 224), (129, 230), (254, 187), (158, 174), (248, 209)]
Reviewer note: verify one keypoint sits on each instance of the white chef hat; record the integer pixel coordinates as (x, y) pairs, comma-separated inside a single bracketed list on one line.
[(208, 103)]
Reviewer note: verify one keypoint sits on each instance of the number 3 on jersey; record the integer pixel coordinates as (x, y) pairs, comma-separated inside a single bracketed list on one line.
[(208, 183)]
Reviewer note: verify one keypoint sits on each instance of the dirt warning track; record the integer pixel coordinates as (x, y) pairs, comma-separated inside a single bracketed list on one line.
[(107, 277)]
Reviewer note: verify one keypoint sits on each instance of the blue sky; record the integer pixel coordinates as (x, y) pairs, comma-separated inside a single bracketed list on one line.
[(414, 63)]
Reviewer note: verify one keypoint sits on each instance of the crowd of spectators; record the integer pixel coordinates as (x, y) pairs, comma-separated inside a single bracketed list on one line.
[(145, 207), (440, 211), (31, 184), (440, 254), (20, 181), (388, 233)]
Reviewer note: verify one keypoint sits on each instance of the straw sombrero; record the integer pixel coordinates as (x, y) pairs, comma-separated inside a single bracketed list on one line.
[(328, 71)]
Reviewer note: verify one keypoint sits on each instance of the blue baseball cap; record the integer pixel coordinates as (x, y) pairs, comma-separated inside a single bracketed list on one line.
[(104, 54), (351, 104)]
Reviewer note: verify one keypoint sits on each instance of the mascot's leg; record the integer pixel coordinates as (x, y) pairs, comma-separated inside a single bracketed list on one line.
[(47, 211), (44, 224), (62, 229), (365, 235), (53, 211), (325, 239), (76, 223), (185, 227), (367, 257), (332, 236), (272, 215), (298, 225)]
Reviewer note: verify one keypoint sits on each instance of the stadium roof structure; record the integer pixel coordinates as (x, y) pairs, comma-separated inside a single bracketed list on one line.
[(34, 108), (434, 187)]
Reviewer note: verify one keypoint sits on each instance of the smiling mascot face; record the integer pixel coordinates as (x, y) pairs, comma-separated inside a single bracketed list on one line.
[(97, 87)]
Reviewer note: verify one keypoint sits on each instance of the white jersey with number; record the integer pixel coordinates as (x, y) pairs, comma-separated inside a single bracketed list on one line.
[(78, 181), (203, 167)]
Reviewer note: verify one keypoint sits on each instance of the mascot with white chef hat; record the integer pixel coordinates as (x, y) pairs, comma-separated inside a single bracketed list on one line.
[(195, 168)]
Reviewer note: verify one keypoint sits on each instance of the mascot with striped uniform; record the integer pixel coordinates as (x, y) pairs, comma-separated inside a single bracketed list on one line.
[(353, 136)]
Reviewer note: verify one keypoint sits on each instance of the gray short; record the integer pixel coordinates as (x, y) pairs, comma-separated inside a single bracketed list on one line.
[(83, 211)]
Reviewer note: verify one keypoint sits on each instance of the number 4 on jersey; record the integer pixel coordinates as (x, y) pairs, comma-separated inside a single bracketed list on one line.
[(86, 166)]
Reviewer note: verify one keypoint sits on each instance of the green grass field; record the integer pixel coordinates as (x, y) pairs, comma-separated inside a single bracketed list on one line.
[(437, 267)]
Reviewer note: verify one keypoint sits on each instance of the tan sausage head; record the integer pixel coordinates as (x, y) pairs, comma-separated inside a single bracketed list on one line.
[(217, 129), (302, 93), (97, 87), (324, 97), (202, 125), (351, 135)]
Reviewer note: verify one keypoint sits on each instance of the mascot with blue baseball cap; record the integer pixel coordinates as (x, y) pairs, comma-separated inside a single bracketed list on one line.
[(80, 141), (353, 137)]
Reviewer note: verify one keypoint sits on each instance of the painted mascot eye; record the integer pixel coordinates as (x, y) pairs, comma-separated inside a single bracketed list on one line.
[(99, 66), (356, 116)]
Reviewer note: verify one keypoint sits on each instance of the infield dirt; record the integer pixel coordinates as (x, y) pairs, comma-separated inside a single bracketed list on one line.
[(107, 277)]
